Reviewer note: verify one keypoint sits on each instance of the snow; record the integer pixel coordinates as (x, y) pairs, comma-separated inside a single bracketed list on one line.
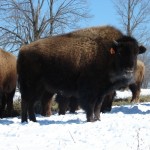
[(127, 93), (125, 127)]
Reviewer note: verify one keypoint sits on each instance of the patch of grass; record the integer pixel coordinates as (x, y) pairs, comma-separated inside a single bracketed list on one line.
[(126, 101), (145, 98), (118, 102), (54, 106), (17, 108)]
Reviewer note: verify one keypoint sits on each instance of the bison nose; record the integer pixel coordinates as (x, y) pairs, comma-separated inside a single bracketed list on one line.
[(129, 70)]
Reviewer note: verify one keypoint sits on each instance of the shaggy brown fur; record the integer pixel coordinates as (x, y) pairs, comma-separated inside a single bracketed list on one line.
[(108, 33), (81, 66), (8, 78), (105, 32)]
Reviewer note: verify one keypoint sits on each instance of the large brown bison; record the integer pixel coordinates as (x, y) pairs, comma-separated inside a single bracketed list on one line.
[(8, 78), (65, 102), (85, 67), (135, 88)]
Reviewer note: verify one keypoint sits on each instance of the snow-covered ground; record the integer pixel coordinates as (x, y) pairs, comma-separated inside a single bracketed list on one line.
[(125, 128), (127, 93)]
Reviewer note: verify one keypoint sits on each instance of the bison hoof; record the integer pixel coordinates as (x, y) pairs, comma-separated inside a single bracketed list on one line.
[(24, 121), (34, 120), (90, 119), (97, 119)]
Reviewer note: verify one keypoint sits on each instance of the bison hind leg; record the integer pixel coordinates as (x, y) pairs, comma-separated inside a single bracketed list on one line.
[(46, 102), (2, 104), (63, 103), (27, 108), (135, 89), (9, 101)]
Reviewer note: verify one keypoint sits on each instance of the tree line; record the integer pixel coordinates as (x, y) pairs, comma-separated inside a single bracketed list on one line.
[(24, 21)]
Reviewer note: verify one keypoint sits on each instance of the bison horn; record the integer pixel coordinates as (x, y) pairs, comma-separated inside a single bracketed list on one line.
[(116, 43)]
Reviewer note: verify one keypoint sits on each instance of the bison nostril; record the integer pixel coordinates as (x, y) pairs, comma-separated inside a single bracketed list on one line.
[(129, 71)]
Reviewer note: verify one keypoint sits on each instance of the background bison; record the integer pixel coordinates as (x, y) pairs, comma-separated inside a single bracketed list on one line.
[(136, 86), (86, 67), (8, 78)]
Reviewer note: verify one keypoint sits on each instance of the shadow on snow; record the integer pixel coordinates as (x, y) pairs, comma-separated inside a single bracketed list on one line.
[(142, 109), (133, 109)]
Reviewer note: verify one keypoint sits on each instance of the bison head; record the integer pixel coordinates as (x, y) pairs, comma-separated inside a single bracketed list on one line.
[(124, 53)]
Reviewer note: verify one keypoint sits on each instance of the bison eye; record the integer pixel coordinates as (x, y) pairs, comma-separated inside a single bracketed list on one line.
[(118, 53)]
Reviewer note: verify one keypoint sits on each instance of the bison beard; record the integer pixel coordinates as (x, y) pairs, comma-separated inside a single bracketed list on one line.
[(135, 88), (77, 66)]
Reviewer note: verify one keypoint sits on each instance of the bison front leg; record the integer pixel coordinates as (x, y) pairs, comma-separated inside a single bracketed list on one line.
[(87, 100), (97, 112), (89, 115), (88, 106), (97, 108)]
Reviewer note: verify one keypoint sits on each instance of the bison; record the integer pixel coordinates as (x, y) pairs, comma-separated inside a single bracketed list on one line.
[(139, 77), (87, 67), (93, 32), (8, 79)]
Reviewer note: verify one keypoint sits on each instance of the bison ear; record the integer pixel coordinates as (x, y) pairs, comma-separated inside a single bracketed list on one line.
[(114, 47), (142, 49), (112, 51)]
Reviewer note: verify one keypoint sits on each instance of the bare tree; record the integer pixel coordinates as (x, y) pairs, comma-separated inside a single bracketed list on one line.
[(134, 17), (24, 21)]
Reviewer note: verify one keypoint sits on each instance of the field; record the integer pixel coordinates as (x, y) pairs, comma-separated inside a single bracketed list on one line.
[(126, 127)]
